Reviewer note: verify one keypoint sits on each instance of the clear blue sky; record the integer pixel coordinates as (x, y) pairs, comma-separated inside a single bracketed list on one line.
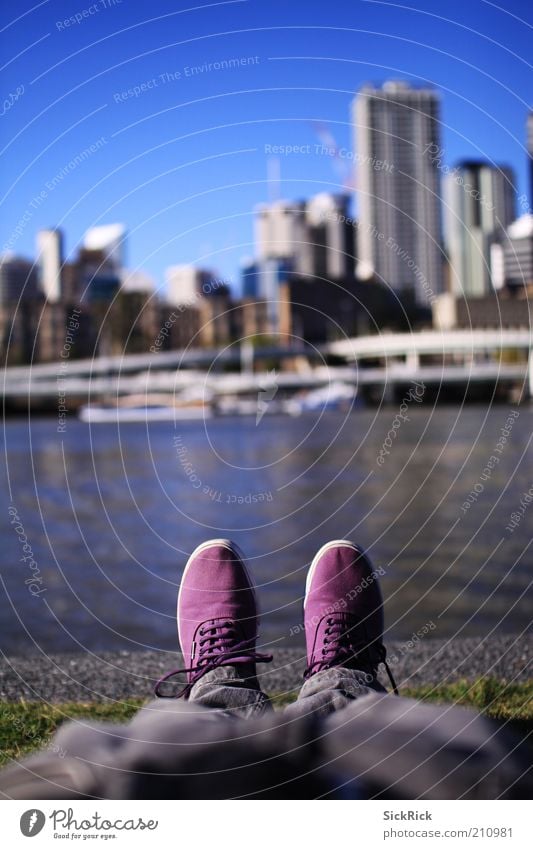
[(184, 163)]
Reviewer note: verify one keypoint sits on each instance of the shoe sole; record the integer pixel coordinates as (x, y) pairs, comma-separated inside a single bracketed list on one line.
[(336, 543), (225, 543)]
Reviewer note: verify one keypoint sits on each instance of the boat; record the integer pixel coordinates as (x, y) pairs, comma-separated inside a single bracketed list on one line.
[(147, 408), (334, 396), (337, 396)]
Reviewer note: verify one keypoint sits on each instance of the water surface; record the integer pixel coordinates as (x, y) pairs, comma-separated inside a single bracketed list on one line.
[(111, 514)]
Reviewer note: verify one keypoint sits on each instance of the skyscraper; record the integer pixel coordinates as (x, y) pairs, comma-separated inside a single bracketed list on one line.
[(330, 236), (250, 278), (399, 233), (518, 252), (50, 261), (313, 238), (18, 280), (187, 285), (479, 206), (109, 240), (280, 231)]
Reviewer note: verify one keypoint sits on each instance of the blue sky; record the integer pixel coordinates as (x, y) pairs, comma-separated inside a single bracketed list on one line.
[(183, 163)]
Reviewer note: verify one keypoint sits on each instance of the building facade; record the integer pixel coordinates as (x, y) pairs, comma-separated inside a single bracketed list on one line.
[(479, 206), (187, 285), (518, 253), (50, 262), (18, 280), (331, 242), (397, 134), (109, 240), (313, 238)]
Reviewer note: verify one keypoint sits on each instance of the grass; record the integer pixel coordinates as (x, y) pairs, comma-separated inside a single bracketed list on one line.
[(27, 726), (489, 695)]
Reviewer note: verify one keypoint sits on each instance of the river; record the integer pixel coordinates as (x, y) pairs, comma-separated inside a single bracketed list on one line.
[(99, 520)]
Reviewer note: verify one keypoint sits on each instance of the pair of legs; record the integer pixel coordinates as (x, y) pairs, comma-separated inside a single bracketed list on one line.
[(218, 626), (217, 737)]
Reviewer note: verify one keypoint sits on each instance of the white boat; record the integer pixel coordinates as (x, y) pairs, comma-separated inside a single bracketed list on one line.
[(98, 414), (146, 408), (333, 396), (248, 407)]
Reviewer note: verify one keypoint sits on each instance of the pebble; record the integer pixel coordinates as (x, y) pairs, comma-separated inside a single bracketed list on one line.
[(110, 676)]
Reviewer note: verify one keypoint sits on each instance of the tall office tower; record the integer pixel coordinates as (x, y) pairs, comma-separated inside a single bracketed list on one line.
[(479, 206), (136, 281), (330, 236), (250, 278), (313, 238), (98, 276), (518, 252), (18, 280), (109, 240), (530, 155), (399, 232), (280, 232), (50, 261), (186, 284)]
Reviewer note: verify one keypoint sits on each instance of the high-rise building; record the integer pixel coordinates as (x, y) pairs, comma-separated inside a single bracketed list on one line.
[(187, 283), (183, 282), (518, 252), (49, 262), (263, 281), (399, 231), (109, 240), (136, 281), (479, 203), (280, 231), (98, 276), (313, 238), (250, 278), (330, 236), (18, 280)]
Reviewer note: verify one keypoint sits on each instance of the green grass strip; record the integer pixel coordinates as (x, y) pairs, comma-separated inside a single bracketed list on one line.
[(28, 726)]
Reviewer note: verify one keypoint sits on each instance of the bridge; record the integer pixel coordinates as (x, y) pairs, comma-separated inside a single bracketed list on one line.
[(460, 356)]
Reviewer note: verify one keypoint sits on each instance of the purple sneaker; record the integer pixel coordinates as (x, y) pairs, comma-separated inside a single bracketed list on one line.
[(217, 614), (343, 612)]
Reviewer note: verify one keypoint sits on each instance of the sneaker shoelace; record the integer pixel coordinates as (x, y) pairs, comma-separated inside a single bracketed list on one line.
[(339, 647), (217, 646)]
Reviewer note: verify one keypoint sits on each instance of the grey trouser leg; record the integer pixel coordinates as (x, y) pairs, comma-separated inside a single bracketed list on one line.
[(378, 744), (332, 690), (172, 749), (224, 691), (402, 748)]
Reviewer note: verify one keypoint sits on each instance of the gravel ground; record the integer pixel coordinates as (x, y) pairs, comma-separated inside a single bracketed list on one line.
[(119, 675)]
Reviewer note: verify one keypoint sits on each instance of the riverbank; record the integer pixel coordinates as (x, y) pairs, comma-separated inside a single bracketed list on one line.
[(89, 677)]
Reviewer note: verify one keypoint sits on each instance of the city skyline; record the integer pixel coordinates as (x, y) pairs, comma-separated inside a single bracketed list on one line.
[(451, 212), (251, 104)]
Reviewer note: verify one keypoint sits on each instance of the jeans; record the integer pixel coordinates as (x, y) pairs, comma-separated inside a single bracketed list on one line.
[(344, 737), (332, 689)]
